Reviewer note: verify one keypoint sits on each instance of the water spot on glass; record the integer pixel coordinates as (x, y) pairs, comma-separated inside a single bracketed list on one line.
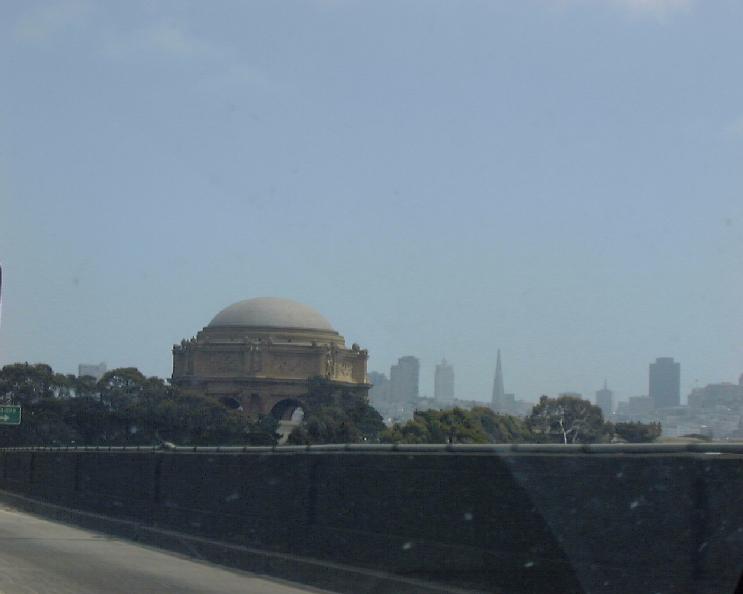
[(407, 546), (467, 517), (232, 497), (634, 504), (529, 564), (620, 474)]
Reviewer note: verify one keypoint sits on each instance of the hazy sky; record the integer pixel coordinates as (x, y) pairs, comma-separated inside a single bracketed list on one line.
[(562, 179)]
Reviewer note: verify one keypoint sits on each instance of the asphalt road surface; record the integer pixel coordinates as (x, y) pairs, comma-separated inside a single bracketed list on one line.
[(42, 557)]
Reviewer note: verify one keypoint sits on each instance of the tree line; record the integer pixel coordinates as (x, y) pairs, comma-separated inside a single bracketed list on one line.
[(123, 408), (127, 408), (565, 419)]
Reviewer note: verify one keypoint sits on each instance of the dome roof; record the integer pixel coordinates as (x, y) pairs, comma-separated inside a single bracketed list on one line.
[(271, 312)]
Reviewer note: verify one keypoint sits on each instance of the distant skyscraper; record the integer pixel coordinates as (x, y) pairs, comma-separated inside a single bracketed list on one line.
[(443, 382), (605, 400), (96, 371), (727, 395), (637, 407), (404, 380), (665, 383), (379, 393), (499, 392)]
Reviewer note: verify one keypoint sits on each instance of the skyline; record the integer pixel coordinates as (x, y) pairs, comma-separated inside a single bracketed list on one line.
[(589, 393), (558, 179)]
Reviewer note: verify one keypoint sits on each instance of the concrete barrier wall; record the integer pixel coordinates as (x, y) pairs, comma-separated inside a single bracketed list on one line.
[(550, 520)]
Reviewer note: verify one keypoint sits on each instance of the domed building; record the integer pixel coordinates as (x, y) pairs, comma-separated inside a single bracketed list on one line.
[(259, 353)]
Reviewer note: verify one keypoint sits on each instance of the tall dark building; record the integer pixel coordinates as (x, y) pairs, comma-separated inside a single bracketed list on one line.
[(499, 392), (605, 400), (379, 394), (95, 371), (665, 383), (404, 380), (443, 382)]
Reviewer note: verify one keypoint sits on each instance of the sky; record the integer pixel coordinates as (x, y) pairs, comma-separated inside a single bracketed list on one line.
[(560, 179)]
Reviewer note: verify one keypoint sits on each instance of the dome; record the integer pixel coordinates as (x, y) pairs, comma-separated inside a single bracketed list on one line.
[(271, 312)]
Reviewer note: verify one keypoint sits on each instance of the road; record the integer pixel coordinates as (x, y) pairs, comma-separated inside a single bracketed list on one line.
[(42, 557)]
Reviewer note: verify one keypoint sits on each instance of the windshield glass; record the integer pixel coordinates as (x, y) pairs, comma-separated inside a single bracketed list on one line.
[(436, 225)]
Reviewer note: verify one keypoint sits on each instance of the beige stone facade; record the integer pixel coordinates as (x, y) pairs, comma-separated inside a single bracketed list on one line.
[(259, 354)]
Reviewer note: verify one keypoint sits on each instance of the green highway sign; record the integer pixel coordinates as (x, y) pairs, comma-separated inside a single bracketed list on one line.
[(10, 414)]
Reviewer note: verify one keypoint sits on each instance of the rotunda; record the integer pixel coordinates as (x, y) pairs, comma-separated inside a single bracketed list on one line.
[(259, 354)]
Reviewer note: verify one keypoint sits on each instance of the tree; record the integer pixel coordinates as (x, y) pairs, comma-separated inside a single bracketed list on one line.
[(457, 425), (638, 432), (24, 384), (502, 428), (325, 425), (120, 386), (85, 385), (88, 417), (263, 431), (335, 415), (567, 419), (454, 425), (415, 431), (123, 408)]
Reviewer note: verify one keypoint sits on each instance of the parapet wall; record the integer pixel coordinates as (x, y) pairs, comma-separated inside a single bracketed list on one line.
[(531, 519)]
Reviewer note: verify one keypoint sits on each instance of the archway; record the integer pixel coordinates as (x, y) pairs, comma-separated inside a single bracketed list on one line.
[(231, 403), (289, 413)]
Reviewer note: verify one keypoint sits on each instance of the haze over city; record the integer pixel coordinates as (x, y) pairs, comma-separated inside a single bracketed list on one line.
[(563, 182)]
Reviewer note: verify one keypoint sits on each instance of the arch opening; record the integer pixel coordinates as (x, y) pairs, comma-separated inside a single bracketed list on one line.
[(289, 413), (231, 403)]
